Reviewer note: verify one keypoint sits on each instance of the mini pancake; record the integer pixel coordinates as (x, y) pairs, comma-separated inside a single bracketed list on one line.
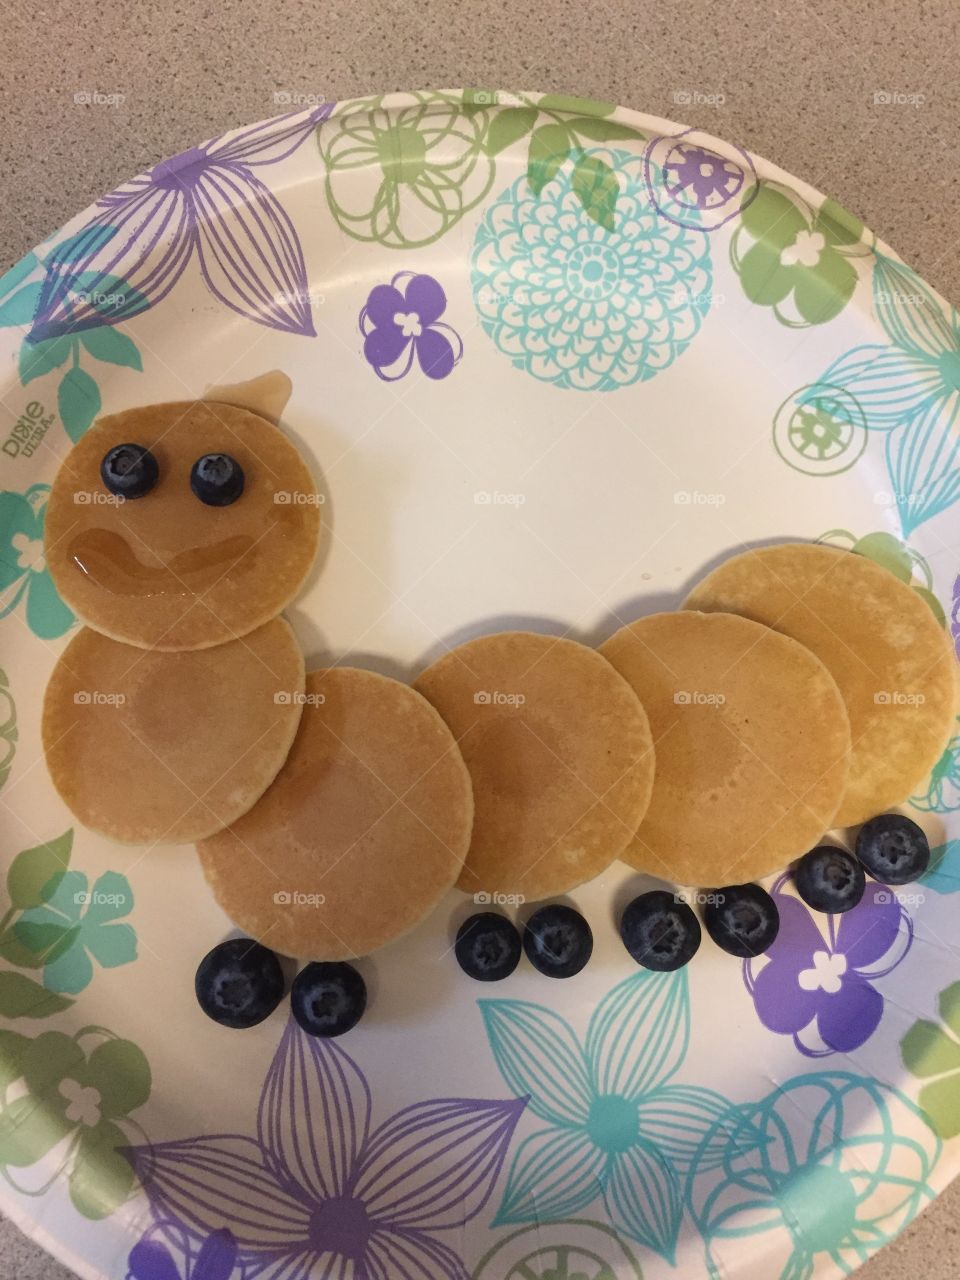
[(165, 570), (363, 831), (881, 643), (560, 754), (752, 746), (146, 746)]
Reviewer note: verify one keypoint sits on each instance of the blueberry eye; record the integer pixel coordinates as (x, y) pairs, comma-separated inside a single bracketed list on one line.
[(217, 479), (129, 470)]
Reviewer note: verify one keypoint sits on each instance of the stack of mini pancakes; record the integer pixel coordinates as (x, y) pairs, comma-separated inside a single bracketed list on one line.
[(799, 688)]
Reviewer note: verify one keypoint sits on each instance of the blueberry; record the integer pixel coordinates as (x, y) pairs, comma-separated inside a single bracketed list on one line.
[(893, 849), (487, 947), (660, 932), (328, 998), (217, 479), (239, 983), (829, 879), (129, 470), (742, 919), (558, 941)]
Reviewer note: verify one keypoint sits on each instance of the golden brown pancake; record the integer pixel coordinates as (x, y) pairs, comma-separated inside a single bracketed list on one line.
[(752, 743), (146, 746), (167, 571), (361, 834), (879, 640), (560, 754)]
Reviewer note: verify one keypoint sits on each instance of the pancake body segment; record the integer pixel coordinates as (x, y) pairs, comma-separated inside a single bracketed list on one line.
[(881, 643), (363, 831), (752, 742), (560, 753), (146, 746), (165, 570)]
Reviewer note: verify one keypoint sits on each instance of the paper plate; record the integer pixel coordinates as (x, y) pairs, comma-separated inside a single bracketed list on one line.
[(615, 351)]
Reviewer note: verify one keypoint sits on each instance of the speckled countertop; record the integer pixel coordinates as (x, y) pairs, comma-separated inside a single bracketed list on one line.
[(860, 99)]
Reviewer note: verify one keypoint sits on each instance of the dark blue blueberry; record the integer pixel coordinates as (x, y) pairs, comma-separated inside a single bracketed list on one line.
[(488, 947), (830, 879), (558, 941), (328, 998), (129, 470), (217, 479), (742, 919), (239, 983), (893, 849), (660, 932)]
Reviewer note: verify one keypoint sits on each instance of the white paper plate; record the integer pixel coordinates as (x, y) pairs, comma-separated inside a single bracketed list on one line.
[(620, 350)]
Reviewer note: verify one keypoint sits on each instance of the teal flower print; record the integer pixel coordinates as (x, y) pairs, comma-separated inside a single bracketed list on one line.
[(908, 389), (581, 304), (839, 1164), (23, 568), (88, 916), (615, 1129)]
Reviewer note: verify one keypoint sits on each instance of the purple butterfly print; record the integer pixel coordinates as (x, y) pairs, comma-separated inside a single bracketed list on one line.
[(402, 319), (206, 204), (320, 1190), (151, 1259), (816, 982)]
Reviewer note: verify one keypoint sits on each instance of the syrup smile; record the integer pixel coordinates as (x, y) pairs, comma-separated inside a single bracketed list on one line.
[(107, 559)]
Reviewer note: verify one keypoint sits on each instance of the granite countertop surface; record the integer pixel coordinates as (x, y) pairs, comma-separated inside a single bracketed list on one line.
[(859, 99)]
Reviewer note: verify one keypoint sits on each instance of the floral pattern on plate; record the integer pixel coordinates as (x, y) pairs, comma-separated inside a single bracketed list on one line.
[(840, 1164), (581, 305), (816, 982), (618, 1128), (321, 1189)]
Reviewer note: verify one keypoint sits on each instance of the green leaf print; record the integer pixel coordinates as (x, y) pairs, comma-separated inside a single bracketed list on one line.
[(35, 873), (596, 185)]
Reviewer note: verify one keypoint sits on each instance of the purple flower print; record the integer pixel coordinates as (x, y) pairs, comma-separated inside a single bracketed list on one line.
[(815, 983), (151, 1259), (207, 204), (701, 177), (694, 185), (320, 1191), (400, 320), (955, 617)]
